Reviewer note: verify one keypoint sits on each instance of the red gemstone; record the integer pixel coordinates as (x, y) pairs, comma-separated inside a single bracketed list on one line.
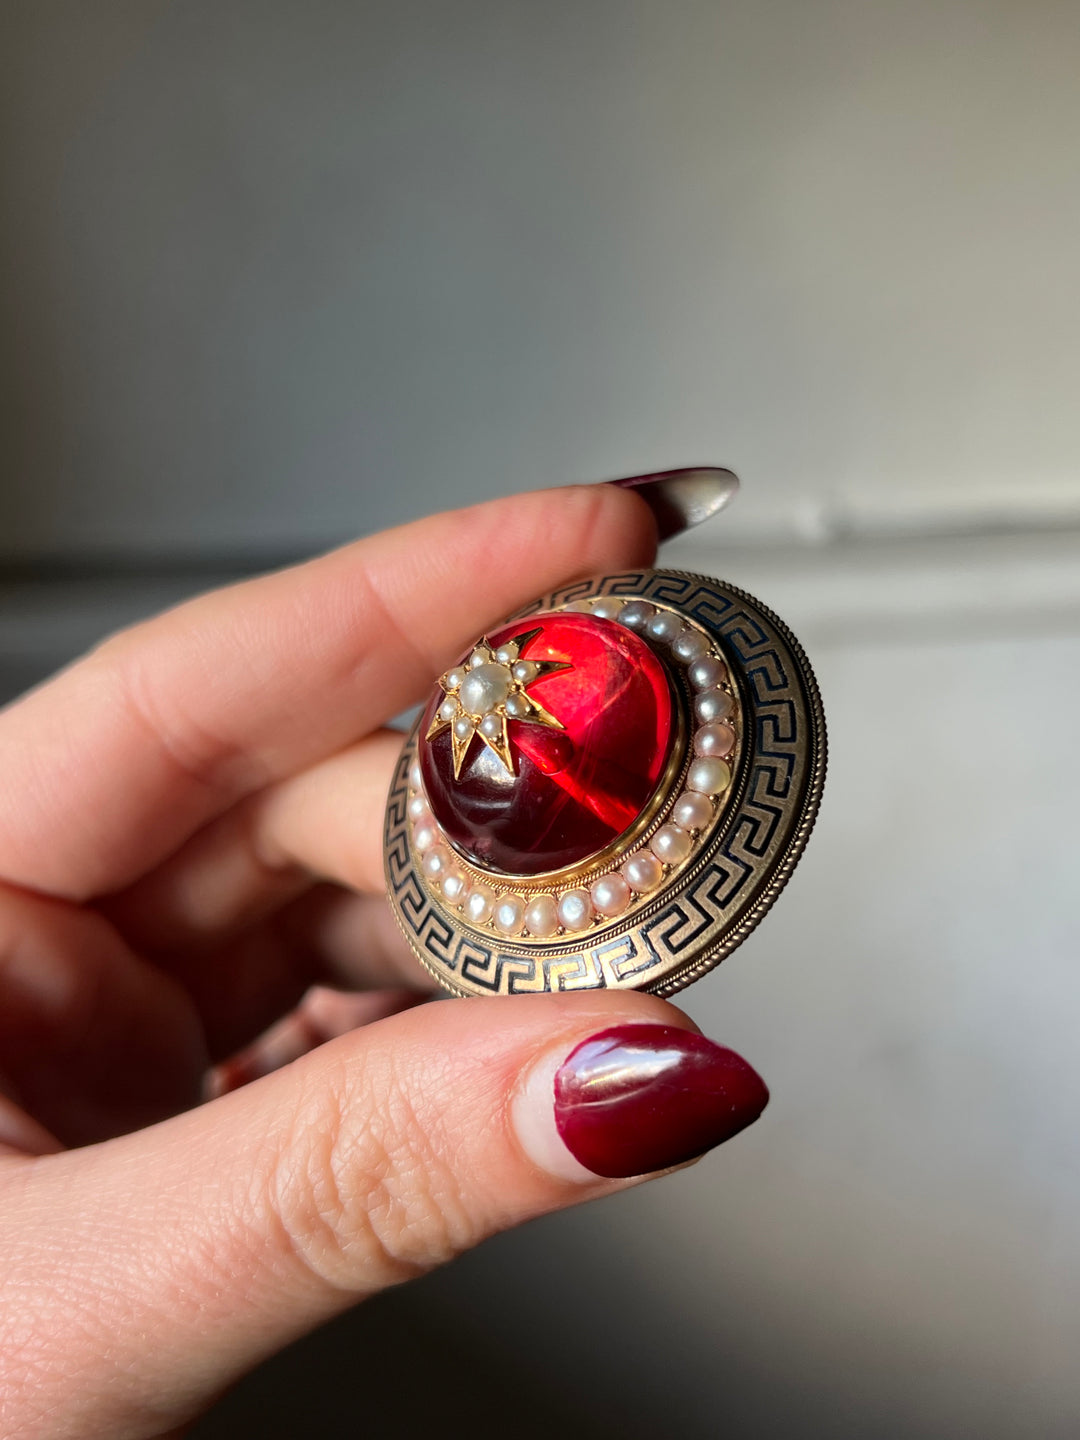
[(574, 789)]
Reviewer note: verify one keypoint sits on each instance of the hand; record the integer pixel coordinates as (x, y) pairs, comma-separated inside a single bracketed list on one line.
[(190, 850)]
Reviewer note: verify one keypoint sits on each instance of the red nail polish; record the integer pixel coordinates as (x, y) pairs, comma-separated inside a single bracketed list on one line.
[(680, 499), (639, 1098)]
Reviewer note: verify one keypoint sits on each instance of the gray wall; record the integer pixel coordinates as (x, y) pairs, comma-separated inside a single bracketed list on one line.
[(274, 274)]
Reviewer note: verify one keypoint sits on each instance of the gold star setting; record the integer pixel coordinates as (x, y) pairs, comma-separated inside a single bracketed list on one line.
[(489, 690)]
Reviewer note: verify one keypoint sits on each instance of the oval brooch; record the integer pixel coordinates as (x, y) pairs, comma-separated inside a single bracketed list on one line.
[(607, 791)]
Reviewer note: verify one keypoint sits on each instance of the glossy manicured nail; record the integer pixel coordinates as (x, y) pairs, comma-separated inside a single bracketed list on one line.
[(635, 1099), (681, 499)]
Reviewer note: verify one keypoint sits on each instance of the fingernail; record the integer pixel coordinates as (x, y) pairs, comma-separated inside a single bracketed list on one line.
[(681, 499), (635, 1099)]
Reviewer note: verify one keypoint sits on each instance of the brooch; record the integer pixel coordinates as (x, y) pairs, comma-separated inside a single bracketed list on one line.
[(607, 791)]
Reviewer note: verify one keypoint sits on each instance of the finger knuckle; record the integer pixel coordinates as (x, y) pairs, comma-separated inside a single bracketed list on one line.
[(365, 1193)]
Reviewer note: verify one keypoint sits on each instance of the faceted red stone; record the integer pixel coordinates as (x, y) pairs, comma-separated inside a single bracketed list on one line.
[(575, 789)]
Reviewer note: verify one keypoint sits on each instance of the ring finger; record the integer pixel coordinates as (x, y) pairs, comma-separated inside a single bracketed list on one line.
[(242, 916)]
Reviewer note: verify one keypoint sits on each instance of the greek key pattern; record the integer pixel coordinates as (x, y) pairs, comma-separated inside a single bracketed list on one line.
[(692, 925)]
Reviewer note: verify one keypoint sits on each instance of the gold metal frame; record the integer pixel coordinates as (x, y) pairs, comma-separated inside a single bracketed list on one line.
[(658, 810), (713, 900)]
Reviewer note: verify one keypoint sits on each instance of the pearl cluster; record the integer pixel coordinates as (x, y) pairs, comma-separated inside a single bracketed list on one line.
[(544, 915), (481, 696)]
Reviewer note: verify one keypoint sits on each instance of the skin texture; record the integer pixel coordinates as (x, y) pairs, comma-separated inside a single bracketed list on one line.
[(191, 899)]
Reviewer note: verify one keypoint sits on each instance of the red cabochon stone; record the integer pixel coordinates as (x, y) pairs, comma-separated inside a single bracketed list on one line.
[(578, 788)]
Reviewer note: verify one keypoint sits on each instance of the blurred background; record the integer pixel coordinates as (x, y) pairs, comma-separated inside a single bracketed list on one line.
[(275, 274)]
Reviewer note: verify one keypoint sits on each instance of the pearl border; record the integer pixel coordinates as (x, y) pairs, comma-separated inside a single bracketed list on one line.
[(503, 908)]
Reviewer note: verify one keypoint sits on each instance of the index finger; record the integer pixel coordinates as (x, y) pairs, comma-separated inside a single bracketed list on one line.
[(105, 770)]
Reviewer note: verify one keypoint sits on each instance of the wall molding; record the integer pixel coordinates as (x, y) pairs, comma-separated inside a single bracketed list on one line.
[(834, 591)]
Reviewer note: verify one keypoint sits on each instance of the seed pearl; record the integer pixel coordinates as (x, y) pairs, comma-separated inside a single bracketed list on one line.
[(480, 904), (449, 709), (517, 706), (463, 727), (575, 910), (690, 645), (491, 726), (642, 871), (706, 673), (436, 862), (714, 740), (665, 626), (454, 886), (610, 895), (713, 705), (486, 687), (708, 776), (636, 613), (509, 914), (454, 678), (416, 780), (693, 811), (541, 916), (478, 658), (579, 607), (506, 654), (418, 808), (670, 844), (608, 608), (424, 837), (524, 671)]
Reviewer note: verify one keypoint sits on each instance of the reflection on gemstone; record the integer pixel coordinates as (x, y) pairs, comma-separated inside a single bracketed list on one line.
[(577, 785)]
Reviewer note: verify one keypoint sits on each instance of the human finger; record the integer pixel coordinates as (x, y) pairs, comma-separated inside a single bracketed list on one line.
[(93, 1040), (324, 823), (238, 915), (107, 769), (327, 936), (323, 1014), (368, 1161)]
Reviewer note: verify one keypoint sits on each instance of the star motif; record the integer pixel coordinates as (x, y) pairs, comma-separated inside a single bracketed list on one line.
[(488, 691)]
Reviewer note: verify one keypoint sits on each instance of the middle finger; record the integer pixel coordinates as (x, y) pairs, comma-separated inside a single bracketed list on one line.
[(323, 824)]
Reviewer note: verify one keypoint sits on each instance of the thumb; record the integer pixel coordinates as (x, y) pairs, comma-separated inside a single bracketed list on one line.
[(160, 1266)]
